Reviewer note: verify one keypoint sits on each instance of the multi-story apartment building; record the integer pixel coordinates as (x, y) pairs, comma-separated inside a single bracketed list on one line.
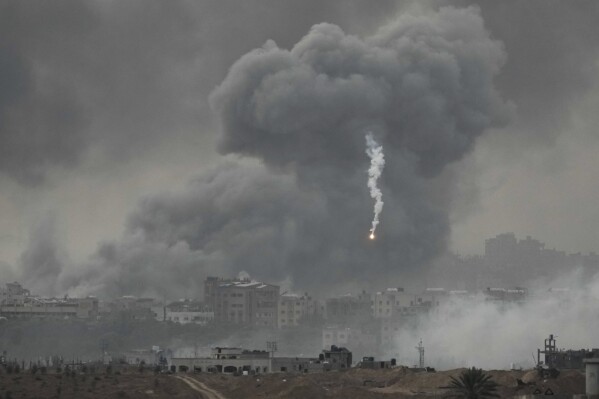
[(348, 308), (391, 302), (242, 301), (294, 308), (431, 297)]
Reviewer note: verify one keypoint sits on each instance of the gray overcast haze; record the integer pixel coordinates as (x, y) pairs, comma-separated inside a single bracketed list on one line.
[(147, 144)]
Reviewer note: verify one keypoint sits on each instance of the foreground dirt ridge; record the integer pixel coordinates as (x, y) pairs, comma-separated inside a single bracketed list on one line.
[(378, 384), (397, 383)]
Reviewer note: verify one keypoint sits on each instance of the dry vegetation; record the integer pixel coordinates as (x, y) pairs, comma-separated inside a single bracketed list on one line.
[(124, 384), (371, 384), (352, 384)]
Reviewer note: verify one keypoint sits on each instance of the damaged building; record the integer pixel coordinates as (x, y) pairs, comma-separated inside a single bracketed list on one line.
[(563, 358)]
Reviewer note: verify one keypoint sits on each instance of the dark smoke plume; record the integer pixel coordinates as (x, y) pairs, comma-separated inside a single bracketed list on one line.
[(422, 84)]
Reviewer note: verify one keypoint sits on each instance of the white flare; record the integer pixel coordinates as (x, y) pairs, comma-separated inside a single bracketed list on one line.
[(377, 162)]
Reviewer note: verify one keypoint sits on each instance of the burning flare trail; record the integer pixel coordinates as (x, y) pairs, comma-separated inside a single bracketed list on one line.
[(377, 163)]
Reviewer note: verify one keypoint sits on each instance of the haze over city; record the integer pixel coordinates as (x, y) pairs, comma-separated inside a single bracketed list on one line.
[(147, 147)]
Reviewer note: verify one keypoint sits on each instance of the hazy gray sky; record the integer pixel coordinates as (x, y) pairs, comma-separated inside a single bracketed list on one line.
[(133, 157)]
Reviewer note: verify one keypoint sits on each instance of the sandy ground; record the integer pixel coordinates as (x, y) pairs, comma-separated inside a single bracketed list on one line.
[(125, 385), (351, 384), (367, 384)]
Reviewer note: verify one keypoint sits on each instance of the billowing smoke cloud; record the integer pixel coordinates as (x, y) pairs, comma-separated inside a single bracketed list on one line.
[(423, 84), (115, 95), (99, 81), (377, 163), (229, 219)]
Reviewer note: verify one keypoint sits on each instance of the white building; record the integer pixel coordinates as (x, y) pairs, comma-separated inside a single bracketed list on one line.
[(186, 312)]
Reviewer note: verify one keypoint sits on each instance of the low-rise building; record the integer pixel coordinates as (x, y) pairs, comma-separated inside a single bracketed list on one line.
[(13, 294), (57, 308), (225, 360), (337, 357), (149, 357), (240, 361), (369, 362), (187, 312), (362, 339)]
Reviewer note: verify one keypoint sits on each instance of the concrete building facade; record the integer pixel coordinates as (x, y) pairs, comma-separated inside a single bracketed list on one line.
[(349, 307), (188, 312), (391, 302), (293, 308), (243, 301), (238, 360), (55, 308), (13, 294)]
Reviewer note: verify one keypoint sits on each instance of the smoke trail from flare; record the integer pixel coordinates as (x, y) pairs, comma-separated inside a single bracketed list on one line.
[(377, 162)]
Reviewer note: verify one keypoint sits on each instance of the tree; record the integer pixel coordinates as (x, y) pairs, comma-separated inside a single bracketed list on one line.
[(472, 384)]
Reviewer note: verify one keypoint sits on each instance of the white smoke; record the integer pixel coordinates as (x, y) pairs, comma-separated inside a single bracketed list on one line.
[(377, 163), (475, 332)]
